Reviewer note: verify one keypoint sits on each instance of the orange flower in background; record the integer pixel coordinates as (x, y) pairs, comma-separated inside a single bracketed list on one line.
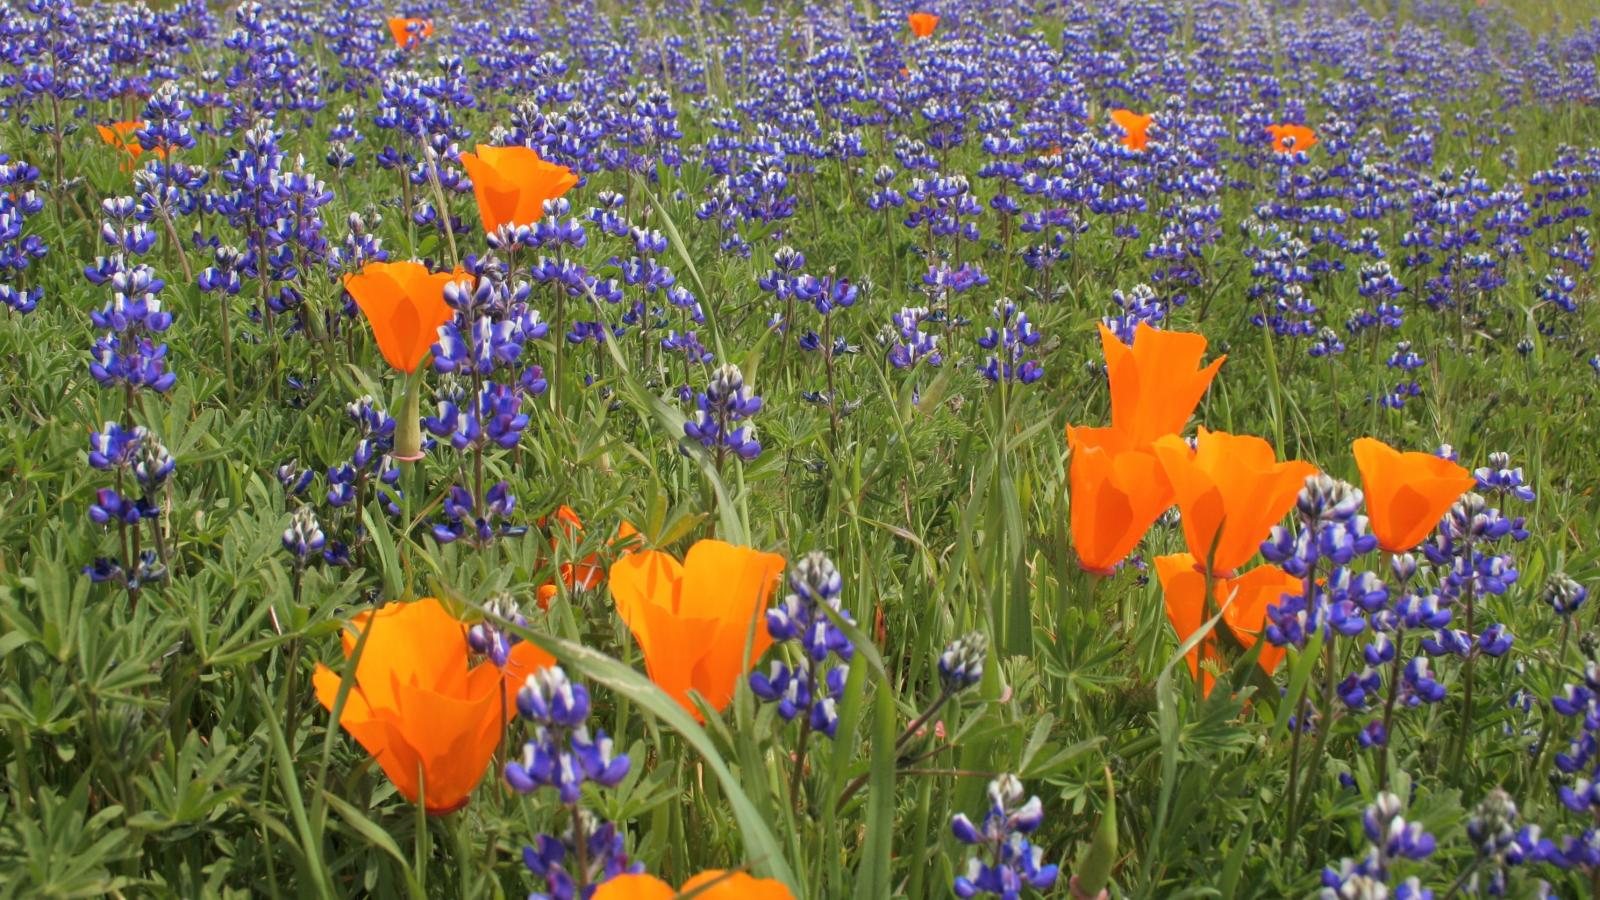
[(1157, 382), (1292, 138), (511, 184), (1232, 485), (1117, 493), (1134, 126), (586, 574), (922, 24), (1407, 493), (712, 884), (692, 619), (404, 304), (409, 32), (1183, 588), (431, 722), (122, 135)]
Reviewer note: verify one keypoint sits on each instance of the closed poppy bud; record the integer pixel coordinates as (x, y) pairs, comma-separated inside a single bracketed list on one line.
[(922, 24), (692, 620), (1291, 138), (1117, 492), (1157, 382), (1407, 493), (409, 32), (511, 184), (712, 884), (404, 304), (431, 722), (1231, 490), (1135, 128)]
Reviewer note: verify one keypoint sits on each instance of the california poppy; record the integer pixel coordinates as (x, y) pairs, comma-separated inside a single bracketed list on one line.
[(586, 574), (430, 722), (692, 619), (409, 32), (1134, 126), (1407, 493), (511, 184), (1232, 485), (1243, 601), (923, 24), (124, 137), (404, 304), (1118, 491), (1292, 138), (712, 884), (1157, 382)]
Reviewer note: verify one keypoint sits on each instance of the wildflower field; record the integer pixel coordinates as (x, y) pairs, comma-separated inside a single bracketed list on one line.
[(772, 451)]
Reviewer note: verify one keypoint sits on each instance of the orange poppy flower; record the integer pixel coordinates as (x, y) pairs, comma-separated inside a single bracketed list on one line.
[(712, 884), (1292, 138), (121, 135), (1407, 493), (404, 303), (586, 574), (1134, 126), (1157, 382), (922, 24), (410, 32), (511, 184), (1117, 493), (430, 721), (1183, 588), (691, 620), (1232, 485)]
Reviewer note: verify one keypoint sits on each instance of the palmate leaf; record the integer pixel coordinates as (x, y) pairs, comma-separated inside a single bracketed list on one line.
[(766, 857)]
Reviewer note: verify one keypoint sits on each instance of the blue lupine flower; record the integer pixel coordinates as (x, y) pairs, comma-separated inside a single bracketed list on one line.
[(1006, 862), (811, 685), (726, 402), (563, 754), (1391, 838), (489, 637)]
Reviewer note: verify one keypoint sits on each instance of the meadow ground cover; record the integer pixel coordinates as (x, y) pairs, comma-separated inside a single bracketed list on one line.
[(1125, 448)]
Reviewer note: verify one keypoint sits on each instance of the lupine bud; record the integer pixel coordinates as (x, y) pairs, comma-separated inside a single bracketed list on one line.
[(961, 663)]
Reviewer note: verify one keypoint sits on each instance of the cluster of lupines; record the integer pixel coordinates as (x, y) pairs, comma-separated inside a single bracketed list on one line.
[(813, 684), (563, 754), (492, 322), (370, 473), (18, 249), (1004, 862), (720, 413), (1008, 345), (1391, 840), (128, 361), (1323, 550), (135, 459)]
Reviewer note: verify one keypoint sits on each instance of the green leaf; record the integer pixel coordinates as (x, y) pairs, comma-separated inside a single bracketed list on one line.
[(873, 873)]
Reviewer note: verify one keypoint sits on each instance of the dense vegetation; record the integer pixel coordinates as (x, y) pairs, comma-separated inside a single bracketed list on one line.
[(409, 410)]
